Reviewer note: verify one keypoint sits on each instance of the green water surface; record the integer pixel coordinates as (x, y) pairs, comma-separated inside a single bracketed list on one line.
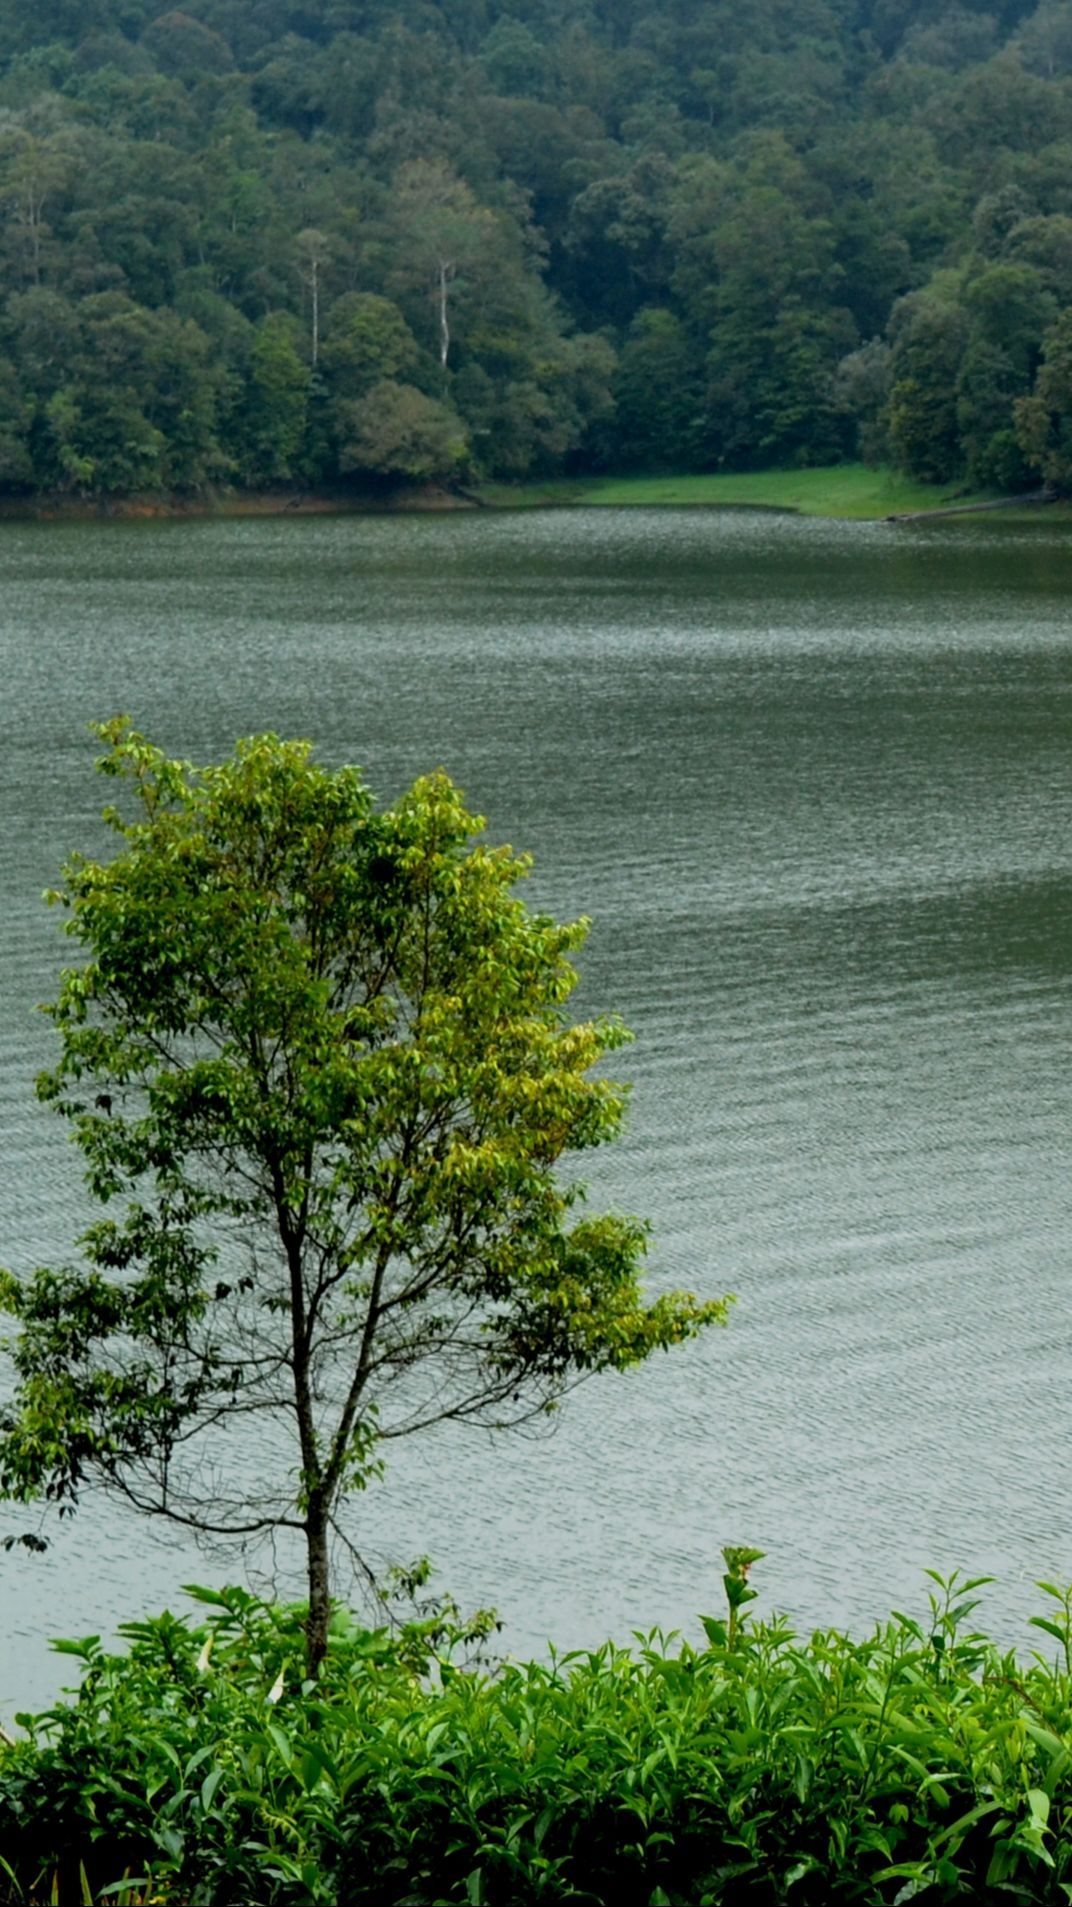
[(813, 781)]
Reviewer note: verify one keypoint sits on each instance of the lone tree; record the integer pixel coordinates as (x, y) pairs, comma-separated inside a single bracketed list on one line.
[(318, 1056)]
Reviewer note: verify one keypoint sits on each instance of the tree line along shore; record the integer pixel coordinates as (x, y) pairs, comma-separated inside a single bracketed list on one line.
[(257, 243), (849, 492)]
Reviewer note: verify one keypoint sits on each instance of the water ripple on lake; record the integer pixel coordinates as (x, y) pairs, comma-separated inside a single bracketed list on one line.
[(814, 784)]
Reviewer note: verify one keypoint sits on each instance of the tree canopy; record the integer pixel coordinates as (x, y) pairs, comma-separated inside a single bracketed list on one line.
[(532, 194), (317, 1061)]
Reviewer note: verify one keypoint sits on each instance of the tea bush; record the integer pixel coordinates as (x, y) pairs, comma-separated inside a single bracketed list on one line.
[(919, 1762)]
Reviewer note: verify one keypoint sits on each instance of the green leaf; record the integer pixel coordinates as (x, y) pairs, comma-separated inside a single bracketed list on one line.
[(1038, 1802), (1051, 1628), (284, 1748), (209, 1788)]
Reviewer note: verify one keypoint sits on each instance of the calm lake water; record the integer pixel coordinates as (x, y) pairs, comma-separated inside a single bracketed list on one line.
[(814, 784)]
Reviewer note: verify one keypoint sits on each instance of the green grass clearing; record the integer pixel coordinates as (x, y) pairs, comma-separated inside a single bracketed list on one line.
[(839, 490)]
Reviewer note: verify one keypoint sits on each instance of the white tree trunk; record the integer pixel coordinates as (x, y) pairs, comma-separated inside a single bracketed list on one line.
[(444, 327)]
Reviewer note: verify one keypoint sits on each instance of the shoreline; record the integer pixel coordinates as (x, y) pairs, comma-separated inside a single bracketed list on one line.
[(238, 503), (841, 492)]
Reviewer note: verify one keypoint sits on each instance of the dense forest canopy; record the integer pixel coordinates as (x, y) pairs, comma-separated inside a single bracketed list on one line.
[(255, 242)]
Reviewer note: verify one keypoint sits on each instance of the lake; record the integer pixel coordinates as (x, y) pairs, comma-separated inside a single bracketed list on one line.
[(813, 783)]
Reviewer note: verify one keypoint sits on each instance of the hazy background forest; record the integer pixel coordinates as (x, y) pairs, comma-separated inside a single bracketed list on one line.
[(254, 242)]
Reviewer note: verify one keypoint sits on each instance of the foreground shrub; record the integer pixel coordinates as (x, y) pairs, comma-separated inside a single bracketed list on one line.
[(200, 1768)]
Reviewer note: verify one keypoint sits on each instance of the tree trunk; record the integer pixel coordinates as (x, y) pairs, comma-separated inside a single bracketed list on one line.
[(444, 327), (316, 1628)]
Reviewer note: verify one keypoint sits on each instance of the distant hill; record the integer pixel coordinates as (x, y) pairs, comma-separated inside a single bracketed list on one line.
[(254, 242)]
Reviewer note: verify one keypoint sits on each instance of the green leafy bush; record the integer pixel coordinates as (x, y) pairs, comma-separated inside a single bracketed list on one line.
[(202, 1768)]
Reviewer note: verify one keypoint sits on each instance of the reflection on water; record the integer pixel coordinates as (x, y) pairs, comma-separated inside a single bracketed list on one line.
[(813, 783)]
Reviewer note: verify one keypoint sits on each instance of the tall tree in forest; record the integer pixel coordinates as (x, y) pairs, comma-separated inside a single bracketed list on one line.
[(1043, 420), (929, 333), (34, 169), (314, 250), (440, 232)]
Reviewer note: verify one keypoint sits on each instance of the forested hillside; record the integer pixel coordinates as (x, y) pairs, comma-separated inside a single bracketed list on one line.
[(254, 242)]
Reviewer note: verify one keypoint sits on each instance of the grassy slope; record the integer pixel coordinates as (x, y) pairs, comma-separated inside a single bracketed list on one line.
[(842, 490)]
